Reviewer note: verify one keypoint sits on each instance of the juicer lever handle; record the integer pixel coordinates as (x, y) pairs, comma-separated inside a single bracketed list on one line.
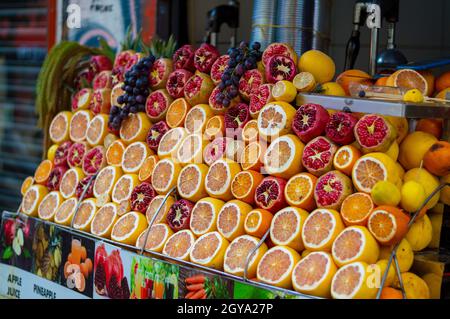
[(352, 50)]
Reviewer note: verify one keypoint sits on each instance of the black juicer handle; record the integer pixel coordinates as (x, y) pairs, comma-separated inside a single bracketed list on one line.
[(352, 50)]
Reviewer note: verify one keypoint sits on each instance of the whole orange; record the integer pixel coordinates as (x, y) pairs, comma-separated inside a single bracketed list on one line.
[(345, 78), (431, 126), (442, 81)]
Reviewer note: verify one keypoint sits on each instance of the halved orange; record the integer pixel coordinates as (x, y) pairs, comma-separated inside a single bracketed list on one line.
[(320, 229), (257, 222), (43, 172), (191, 182), (97, 130), (237, 253), (276, 266), (356, 209), (176, 113), (106, 180), (313, 274), (49, 205), (275, 120), (66, 211), (134, 156), (165, 175), (179, 245), (250, 131), (109, 139), (135, 128), (345, 158), (146, 170), (286, 227), (252, 156), (230, 220), (154, 206), (219, 177), (204, 215), (104, 220), (79, 124), (215, 127), (197, 117), (372, 168), (27, 182), (388, 224), (304, 82), (156, 238), (128, 227), (124, 187), (283, 157), (59, 127), (114, 153), (209, 250), (84, 215), (244, 185), (299, 191), (408, 79), (170, 142), (352, 282), (191, 149), (124, 207), (32, 199), (70, 181)]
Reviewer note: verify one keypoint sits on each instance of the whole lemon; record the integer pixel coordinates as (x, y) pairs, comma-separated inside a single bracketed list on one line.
[(414, 147), (434, 284), (382, 263), (427, 180), (405, 254), (420, 234), (320, 65), (51, 152), (413, 196), (332, 88), (385, 193), (393, 151), (413, 96)]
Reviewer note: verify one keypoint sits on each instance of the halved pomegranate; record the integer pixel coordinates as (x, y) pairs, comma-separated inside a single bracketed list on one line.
[(83, 184), (61, 154), (141, 197), (217, 104), (276, 48), (76, 153), (215, 150), (55, 177), (157, 104), (100, 63), (84, 79), (250, 83), (235, 119), (159, 74), (176, 82), (120, 65), (94, 160), (318, 155), (260, 98), (103, 80), (101, 102), (374, 133), (331, 189), (219, 66), (280, 68), (155, 134), (310, 121), (269, 194), (198, 89), (205, 56), (340, 128), (183, 58), (179, 215)]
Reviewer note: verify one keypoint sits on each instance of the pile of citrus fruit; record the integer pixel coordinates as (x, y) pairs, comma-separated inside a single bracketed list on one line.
[(334, 190)]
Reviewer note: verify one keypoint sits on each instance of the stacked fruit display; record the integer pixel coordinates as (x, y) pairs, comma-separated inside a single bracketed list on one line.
[(335, 190)]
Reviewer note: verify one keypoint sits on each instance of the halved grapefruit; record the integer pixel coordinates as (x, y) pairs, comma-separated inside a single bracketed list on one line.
[(275, 119), (179, 245), (286, 227), (176, 113), (209, 250), (104, 220), (26, 184), (124, 187), (191, 149), (351, 282), (70, 181), (134, 156), (49, 205), (171, 141), (197, 117), (84, 215), (165, 175), (237, 253), (59, 127), (283, 157), (219, 177), (204, 215), (79, 124), (66, 211), (230, 221), (252, 156), (97, 130), (32, 198), (128, 227), (106, 180), (146, 170), (134, 128), (154, 206), (43, 171), (191, 182), (156, 239)]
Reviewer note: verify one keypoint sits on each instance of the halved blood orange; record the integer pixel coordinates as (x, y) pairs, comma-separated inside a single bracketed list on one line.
[(388, 224), (32, 199), (356, 209), (179, 245), (275, 120), (134, 156), (219, 177), (355, 243), (43, 172), (257, 222), (128, 227), (146, 170), (204, 215), (243, 185), (154, 206), (83, 217), (276, 266), (59, 127), (97, 130), (191, 149), (49, 205), (230, 220), (215, 127), (176, 113), (165, 175), (250, 131), (408, 79), (351, 282), (104, 220), (70, 181), (283, 157), (105, 181), (345, 158), (252, 156), (170, 142), (135, 128), (124, 187), (26, 184), (299, 191), (197, 117), (156, 238), (114, 153), (313, 274), (372, 168), (66, 211), (286, 227), (79, 125), (237, 253), (191, 182), (321, 228), (209, 250)]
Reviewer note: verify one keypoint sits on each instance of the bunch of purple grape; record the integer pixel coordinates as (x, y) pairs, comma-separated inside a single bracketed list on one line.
[(136, 88), (242, 59)]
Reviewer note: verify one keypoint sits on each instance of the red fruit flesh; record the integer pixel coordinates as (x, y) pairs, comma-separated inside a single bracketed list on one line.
[(84, 79), (235, 119), (103, 80), (176, 82), (94, 160), (159, 74), (157, 104), (277, 49), (204, 57), (120, 65), (260, 98), (101, 101), (217, 107), (215, 150), (55, 177), (218, 68), (76, 153), (310, 121), (374, 133), (100, 63), (269, 194), (250, 83), (82, 185), (340, 128), (183, 58), (76, 97), (331, 189), (280, 68), (318, 155), (155, 134), (61, 154), (141, 197), (113, 271), (179, 215), (198, 89), (100, 256)]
